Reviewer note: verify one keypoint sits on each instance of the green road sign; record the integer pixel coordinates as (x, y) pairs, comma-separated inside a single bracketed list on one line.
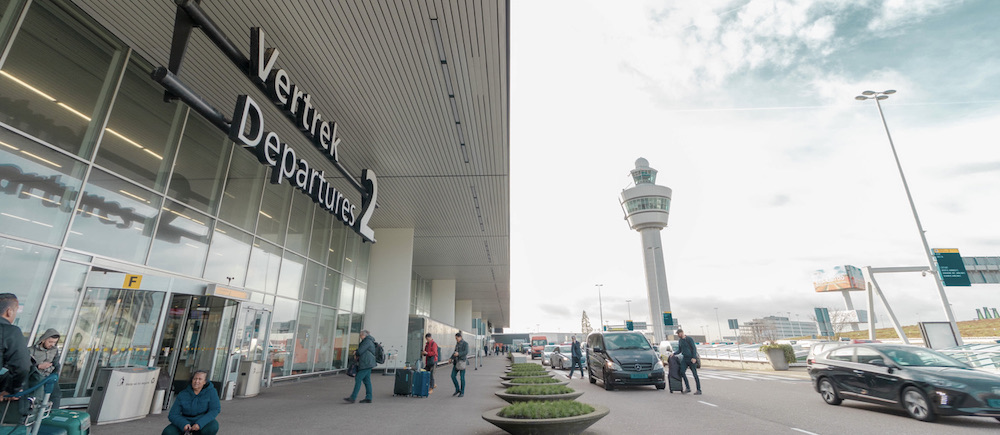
[(951, 268), (734, 324), (668, 318), (629, 325)]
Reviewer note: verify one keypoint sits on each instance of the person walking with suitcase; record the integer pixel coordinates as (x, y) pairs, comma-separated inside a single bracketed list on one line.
[(689, 360), (458, 363), (366, 362), (576, 358), (430, 354)]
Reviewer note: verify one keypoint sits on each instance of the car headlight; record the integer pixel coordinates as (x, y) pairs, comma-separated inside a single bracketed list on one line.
[(658, 365), (945, 383), (613, 365)]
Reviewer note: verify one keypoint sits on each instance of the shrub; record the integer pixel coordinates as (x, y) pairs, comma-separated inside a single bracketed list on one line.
[(537, 410), (787, 348), (527, 372), (539, 390), (534, 381), (526, 365)]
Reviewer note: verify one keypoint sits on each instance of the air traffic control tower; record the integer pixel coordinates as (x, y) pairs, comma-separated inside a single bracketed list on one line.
[(647, 207)]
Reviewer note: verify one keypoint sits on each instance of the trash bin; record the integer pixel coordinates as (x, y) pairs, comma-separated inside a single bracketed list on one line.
[(122, 394), (248, 381)]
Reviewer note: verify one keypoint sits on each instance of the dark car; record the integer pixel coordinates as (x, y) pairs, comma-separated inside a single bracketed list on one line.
[(924, 382), (623, 358)]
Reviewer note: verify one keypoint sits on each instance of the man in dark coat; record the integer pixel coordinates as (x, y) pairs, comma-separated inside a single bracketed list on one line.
[(459, 359), (689, 360), (576, 358), (366, 362), (16, 360)]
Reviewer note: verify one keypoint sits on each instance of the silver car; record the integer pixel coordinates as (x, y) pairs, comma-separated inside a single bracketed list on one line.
[(561, 357)]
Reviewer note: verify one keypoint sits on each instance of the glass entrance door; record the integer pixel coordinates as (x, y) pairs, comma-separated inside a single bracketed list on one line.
[(250, 338), (115, 328), (197, 335)]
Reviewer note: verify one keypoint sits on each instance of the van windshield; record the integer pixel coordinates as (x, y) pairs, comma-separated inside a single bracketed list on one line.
[(538, 342), (626, 341)]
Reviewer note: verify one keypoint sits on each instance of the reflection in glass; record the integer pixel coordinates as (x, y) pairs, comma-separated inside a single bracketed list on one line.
[(52, 77), (181, 240), (360, 295), (312, 287), (265, 262), (350, 254), (325, 339), (319, 246), (305, 339), (290, 279), (227, 258), (201, 165), (331, 292), (38, 188), (338, 232), (282, 336), (363, 258), (341, 340), (300, 224), (274, 212), (346, 293), (142, 130), (114, 218), (61, 303), (25, 269), (241, 197)]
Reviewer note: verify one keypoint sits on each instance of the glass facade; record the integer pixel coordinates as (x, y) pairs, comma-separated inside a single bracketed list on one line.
[(95, 169), (648, 203)]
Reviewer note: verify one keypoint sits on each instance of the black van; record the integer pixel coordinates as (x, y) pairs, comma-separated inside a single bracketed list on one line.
[(623, 358)]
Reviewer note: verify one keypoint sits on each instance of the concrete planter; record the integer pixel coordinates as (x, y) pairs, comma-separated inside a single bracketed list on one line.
[(546, 426), (546, 375), (520, 359), (511, 398), (508, 384), (777, 359)]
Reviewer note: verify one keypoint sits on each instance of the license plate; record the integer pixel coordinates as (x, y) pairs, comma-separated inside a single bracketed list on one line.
[(993, 403), (640, 376)]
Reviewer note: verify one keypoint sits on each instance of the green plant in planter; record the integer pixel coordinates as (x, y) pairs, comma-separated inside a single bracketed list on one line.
[(534, 366), (787, 348), (539, 390), (534, 381), (540, 410), (526, 372)]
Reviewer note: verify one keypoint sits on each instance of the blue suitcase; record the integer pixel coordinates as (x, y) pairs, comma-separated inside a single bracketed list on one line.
[(421, 383)]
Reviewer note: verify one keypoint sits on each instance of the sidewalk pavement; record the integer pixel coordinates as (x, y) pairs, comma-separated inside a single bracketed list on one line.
[(316, 406)]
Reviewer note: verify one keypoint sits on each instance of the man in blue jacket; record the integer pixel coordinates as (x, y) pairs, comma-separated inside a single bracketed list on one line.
[(195, 408), (689, 360), (576, 358), (366, 362)]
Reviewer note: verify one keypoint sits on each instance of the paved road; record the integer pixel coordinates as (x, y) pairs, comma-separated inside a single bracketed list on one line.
[(734, 402)]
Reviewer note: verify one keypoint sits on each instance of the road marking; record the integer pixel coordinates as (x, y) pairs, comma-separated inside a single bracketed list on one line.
[(710, 404), (804, 431)]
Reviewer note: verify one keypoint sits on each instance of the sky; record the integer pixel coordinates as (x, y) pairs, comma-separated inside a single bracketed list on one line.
[(747, 110)]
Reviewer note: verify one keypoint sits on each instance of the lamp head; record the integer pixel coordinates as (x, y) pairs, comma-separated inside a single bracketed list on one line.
[(890, 91), (881, 97), (860, 98), (868, 93)]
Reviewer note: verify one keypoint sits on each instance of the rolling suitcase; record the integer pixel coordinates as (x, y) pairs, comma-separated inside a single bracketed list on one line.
[(421, 383), (674, 374), (404, 383), (74, 422)]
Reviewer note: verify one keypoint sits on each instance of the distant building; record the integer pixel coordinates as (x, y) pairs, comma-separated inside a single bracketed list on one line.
[(775, 328)]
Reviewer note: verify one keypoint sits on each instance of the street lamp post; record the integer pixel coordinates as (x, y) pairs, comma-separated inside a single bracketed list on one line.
[(628, 302), (718, 323), (599, 302), (879, 96)]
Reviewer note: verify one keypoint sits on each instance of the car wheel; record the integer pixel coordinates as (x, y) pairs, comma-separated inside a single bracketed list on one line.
[(607, 383), (829, 392), (917, 405), (590, 375), (661, 386)]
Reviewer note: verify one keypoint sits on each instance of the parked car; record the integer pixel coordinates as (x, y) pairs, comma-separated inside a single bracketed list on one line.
[(924, 382), (623, 358), (561, 357), (546, 351)]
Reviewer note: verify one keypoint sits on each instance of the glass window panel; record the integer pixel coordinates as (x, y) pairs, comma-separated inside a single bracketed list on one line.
[(202, 157), (290, 279), (67, 286), (181, 240), (142, 130), (53, 75), (282, 336), (38, 188), (338, 232), (315, 282), (350, 252), (360, 293), (331, 293), (300, 224), (319, 246), (325, 338), (265, 262), (227, 258), (25, 269), (241, 197), (346, 293), (114, 218), (305, 339), (3, 7), (274, 212), (341, 339), (363, 258)]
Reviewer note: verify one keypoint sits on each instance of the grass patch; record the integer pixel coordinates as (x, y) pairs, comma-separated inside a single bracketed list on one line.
[(534, 381), (529, 366), (539, 390), (538, 410), (527, 372)]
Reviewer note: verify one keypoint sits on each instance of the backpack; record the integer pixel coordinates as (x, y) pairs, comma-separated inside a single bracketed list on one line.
[(379, 354)]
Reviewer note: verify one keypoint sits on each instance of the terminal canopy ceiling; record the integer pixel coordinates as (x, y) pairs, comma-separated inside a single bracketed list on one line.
[(420, 93)]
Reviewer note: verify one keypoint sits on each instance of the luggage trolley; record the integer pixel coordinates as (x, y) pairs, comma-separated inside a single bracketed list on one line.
[(29, 409)]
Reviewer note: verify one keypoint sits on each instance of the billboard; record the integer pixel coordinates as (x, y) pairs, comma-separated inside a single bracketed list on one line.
[(951, 268), (839, 278)]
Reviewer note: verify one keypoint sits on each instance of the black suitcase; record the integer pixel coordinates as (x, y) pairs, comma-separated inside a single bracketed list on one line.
[(404, 382), (674, 374)]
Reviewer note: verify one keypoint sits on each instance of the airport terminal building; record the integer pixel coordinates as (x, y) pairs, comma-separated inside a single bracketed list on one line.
[(207, 185)]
